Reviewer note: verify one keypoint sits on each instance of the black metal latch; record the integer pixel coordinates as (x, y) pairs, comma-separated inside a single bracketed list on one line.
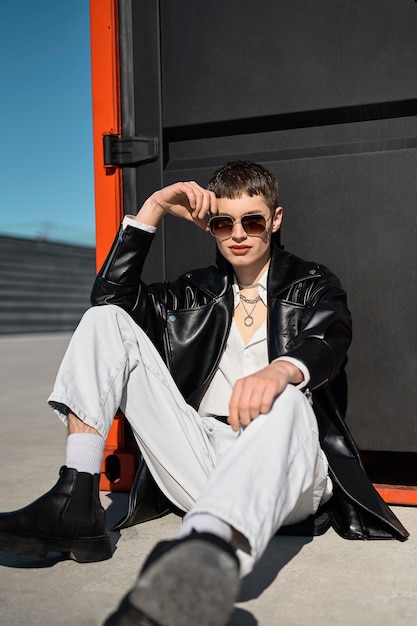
[(129, 151)]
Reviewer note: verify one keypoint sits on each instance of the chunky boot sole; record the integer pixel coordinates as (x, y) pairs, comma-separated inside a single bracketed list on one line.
[(194, 584), (82, 550)]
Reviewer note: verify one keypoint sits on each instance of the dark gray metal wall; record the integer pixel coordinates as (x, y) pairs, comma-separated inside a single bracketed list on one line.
[(324, 93)]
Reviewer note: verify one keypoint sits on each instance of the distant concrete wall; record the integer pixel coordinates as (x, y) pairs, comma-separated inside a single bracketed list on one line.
[(44, 286)]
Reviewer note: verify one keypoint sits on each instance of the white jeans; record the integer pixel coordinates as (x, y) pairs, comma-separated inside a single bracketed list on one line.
[(270, 474)]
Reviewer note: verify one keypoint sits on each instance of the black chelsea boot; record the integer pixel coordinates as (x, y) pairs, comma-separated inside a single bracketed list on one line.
[(69, 519)]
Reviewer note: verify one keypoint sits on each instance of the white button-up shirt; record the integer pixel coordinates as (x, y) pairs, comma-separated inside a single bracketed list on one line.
[(240, 360)]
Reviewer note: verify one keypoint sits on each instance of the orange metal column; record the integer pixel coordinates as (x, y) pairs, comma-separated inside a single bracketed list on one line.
[(106, 120), (120, 456)]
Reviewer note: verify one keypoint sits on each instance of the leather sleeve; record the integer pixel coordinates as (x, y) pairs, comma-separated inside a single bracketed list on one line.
[(119, 282), (325, 332)]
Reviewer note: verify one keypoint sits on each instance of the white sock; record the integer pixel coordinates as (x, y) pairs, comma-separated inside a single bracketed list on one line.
[(205, 523), (85, 452)]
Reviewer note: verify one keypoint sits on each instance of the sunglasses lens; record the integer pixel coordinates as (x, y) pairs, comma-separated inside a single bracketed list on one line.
[(254, 224), (221, 226)]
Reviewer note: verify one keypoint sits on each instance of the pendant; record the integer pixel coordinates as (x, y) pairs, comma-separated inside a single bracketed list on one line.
[(248, 321)]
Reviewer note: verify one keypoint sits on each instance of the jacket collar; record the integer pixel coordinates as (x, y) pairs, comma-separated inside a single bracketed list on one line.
[(286, 269)]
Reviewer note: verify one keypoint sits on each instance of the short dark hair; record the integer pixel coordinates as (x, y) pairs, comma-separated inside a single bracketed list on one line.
[(236, 178)]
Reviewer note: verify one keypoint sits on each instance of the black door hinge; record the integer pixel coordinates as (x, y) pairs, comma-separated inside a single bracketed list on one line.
[(129, 151)]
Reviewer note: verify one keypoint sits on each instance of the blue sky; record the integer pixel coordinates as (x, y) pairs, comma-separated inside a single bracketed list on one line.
[(46, 154)]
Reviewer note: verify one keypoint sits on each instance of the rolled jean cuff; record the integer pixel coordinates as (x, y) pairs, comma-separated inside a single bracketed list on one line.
[(62, 405)]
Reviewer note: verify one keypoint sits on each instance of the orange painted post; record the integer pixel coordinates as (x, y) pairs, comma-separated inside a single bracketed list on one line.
[(120, 456), (106, 120), (120, 460)]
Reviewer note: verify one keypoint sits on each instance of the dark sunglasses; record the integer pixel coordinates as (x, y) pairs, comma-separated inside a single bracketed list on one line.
[(253, 224)]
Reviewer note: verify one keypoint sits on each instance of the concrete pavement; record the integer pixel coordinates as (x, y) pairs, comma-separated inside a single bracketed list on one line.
[(327, 581)]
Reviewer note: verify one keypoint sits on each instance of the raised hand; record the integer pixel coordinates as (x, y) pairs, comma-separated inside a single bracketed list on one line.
[(254, 395), (183, 199)]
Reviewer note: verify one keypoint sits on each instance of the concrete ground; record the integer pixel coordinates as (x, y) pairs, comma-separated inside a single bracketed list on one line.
[(326, 581)]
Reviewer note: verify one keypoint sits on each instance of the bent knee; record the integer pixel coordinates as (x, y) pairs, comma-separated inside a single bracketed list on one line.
[(101, 311)]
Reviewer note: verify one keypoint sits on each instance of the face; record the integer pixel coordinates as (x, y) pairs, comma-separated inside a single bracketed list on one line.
[(243, 251)]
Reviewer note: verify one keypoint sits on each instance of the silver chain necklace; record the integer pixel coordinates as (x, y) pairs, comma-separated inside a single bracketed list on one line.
[(250, 300), (242, 286), (248, 320)]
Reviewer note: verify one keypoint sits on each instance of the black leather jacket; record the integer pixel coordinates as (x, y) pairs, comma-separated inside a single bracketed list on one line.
[(308, 320)]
